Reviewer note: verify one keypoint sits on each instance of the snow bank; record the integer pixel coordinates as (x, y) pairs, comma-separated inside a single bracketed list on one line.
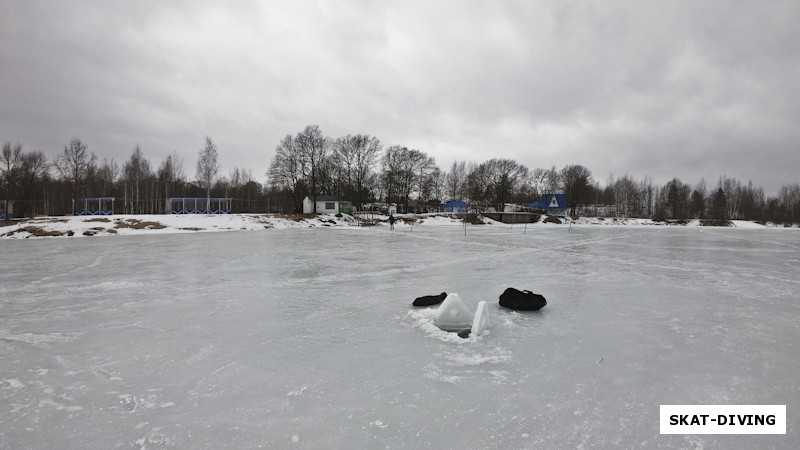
[(70, 226)]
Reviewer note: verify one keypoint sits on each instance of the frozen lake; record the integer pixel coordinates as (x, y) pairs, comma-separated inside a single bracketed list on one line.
[(307, 338)]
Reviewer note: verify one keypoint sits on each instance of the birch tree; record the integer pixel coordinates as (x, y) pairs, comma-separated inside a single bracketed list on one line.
[(207, 169), (73, 164)]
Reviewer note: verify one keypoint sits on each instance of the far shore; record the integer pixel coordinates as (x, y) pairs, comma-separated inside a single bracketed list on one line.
[(115, 225)]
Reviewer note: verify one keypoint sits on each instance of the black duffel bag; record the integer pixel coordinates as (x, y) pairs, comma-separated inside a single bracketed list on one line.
[(522, 300), (430, 300)]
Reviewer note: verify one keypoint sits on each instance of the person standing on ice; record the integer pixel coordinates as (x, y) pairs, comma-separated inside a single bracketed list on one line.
[(392, 220)]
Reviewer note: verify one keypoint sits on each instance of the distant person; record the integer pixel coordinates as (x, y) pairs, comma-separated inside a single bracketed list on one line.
[(392, 220)]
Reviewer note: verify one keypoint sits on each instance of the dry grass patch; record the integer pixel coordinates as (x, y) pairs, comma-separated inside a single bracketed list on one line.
[(300, 217), (137, 224), (50, 220), (36, 232), (472, 219), (93, 231), (98, 219), (191, 229)]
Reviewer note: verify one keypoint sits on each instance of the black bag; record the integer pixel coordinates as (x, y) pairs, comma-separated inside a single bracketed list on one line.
[(429, 300), (522, 300)]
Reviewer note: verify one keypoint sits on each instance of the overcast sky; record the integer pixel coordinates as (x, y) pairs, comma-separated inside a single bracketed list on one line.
[(685, 89)]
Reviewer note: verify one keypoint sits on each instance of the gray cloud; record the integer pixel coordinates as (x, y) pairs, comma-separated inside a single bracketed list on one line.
[(668, 89)]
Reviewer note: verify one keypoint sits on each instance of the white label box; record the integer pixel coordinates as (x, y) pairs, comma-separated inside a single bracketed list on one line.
[(723, 419)]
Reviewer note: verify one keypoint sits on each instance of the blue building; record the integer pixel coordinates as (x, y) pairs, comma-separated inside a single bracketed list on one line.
[(552, 204), (6, 209), (455, 207)]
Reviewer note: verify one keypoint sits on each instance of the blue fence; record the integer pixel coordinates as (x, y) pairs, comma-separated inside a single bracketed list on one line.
[(198, 206), (94, 206)]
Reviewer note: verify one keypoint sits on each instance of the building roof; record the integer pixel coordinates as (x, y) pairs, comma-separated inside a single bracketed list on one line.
[(551, 201), (213, 199), (323, 198)]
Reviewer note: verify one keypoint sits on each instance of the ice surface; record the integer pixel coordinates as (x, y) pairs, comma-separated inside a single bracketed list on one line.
[(306, 338), (453, 314)]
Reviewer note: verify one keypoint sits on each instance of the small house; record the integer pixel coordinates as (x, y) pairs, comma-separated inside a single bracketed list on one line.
[(327, 204), (512, 207)]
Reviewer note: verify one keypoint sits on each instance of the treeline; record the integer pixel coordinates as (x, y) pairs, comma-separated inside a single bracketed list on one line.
[(729, 199), (39, 186), (360, 169)]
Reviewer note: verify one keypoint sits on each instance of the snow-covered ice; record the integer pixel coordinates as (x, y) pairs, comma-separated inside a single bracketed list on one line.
[(306, 338)]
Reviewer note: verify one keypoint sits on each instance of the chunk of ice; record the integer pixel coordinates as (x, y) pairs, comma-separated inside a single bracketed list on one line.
[(453, 314)]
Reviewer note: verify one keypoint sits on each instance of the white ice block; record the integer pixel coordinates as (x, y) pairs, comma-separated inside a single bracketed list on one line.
[(453, 314)]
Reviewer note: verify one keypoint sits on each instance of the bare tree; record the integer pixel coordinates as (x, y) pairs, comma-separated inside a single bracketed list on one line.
[(402, 169), (207, 169), (32, 171), (237, 181), (648, 194), (507, 176), (479, 185), (539, 184), (553, 181), (73, 164), (136, 171), (313, 147), (355, 157), (171, 174), (438, 185), (287, 169), (457, 180), (626, 195), (107, 176), (10, 160), (497, 181), (576, 181), (789, 202)]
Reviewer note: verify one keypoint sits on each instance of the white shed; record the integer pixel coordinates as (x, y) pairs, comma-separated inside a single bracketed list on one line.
[(326, 204)]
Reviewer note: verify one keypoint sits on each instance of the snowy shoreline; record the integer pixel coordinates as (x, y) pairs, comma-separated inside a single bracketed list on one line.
[(119, 225)]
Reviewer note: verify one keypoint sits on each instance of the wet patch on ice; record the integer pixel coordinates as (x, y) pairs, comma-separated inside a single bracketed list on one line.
[(109, 286), (12, 383), (460, 364), (461, 360), (59, 406), (131, 403), (153, 439), (297, 392), (455, 364), (378, 424), (435, 373), (41, 340)]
